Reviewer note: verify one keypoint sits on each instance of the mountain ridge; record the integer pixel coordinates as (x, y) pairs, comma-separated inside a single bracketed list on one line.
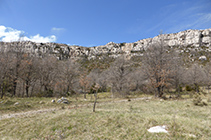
[(196, 39)]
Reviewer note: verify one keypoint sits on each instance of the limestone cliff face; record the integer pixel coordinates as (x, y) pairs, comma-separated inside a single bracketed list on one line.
[(197, 39)]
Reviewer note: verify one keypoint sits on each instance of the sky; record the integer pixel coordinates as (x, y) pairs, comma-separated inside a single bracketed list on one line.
[(98, 22)]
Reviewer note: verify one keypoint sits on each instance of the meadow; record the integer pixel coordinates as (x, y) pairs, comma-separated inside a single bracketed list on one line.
[(114, 119)]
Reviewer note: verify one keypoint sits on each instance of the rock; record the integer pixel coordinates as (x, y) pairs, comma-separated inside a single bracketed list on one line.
[(203, 58), (191, 135), (59, 101), (158, 129), (63, 100), (41, 102), (205, 102), (17, 103), (209, 99), (53, 101), (183, 39)]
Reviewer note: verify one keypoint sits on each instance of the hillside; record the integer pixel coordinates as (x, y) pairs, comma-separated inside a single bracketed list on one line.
[(170, 61), (197, 41)]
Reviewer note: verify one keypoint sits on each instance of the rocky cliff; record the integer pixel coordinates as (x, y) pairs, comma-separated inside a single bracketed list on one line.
[(195, 39)]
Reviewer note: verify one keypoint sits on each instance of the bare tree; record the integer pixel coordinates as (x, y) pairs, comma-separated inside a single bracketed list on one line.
[(69, 71), (118, 73), (195, 76), (27, 72), (156, 65), (96, 88), (46, 69), (84, 82), (207, 71), (137, 79), (177, 73), (16, 53), (5, 72)]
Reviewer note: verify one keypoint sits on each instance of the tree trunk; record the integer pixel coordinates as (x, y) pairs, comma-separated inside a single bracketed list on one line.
[(14, 87), (178, 90), (84, 95), (2, 92), (158, 91), (23, 89), (196, 87), (95, 100), (27, 88), (32, 89), (68, 88)]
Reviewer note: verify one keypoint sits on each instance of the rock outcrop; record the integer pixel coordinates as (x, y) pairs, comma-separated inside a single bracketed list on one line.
[(196, 39), (63, 100)]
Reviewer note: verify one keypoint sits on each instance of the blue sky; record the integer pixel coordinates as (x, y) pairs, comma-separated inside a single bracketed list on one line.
[(97, 22)]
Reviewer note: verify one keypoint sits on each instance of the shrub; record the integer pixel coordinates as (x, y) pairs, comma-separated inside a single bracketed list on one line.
[(198, 100), (188, 88)]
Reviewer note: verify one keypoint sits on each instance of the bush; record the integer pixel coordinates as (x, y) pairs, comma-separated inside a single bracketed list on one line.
[(188, 88), (198, 100)]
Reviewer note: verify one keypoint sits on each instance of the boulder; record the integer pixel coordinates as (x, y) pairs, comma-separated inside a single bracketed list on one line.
[(41, 102), (63, 100), (59, 101), (204, 58), (53, 101), (158, 129), (17, 103)]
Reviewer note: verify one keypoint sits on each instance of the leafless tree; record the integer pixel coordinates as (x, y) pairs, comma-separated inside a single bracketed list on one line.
[(177, 73), (46, 69), (84, 82), (5, 71), (156, 65), (118, 75), (96, 88), (195, 76), (27, 72), (207, 80), (16, 53), (137, 79), (68, 71)]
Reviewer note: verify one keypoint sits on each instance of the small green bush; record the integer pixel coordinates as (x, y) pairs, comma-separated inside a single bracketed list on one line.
[(188, 88)]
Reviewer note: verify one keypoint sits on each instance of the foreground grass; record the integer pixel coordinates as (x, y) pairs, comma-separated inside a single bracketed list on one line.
[(7, 104), (122, 120)]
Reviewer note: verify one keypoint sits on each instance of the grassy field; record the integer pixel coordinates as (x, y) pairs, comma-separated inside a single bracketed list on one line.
[(112, 120), (7, 104)]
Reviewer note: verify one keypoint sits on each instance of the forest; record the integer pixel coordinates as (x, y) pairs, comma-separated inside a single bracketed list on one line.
[(161, 70)]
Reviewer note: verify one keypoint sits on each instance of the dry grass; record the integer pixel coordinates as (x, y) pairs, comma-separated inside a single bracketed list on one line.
[(122, 120), (35, 103)]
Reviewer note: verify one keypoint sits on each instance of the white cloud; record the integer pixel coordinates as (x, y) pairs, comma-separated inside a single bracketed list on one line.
[(8, 34), (38, 38), (57, 31), (54, 29), (197, 21), (175, 18)]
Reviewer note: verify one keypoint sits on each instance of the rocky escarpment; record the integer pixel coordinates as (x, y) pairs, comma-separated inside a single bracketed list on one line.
[(188, 40)]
